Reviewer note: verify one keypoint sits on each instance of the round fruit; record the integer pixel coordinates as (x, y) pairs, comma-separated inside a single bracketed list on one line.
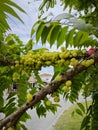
[(83, 63), (89, 62), (74, 62), (29, 97), (48, 103), (56, 99), (10, 128), (68, 83), (74, 54), (65, 89), (12, 67), (54, 94), (58, 78), (84, 51)]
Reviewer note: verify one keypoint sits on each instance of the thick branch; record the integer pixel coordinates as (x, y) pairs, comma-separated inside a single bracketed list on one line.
[(4, 61), (50, 88)]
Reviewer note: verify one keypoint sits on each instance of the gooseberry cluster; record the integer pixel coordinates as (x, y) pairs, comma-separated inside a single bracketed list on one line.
[(34, 60), (56, 97), (87, 63), (67, 86)]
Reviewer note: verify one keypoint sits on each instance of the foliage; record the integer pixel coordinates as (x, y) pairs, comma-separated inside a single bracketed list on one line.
[(5, 10), (75, 70), (86, 9), (46, 30)]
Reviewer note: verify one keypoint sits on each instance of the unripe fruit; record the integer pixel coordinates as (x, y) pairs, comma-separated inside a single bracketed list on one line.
[(62, 55), (84, 51), (16, 62), (58, 78), (67, 55), (65, 89), (73, 62), (89, 62), (74, 54), (54, 94), (68, 83), (83, 63), (48, 103), (56, 99), (12, 67), (10, 128), (15, 76), (29, 97)]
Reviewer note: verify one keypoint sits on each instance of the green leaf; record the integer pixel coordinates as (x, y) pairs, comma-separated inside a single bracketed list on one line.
[(13, 4), (80, 38), (42, 4), (81, 106), (10, 101), (85, 122), (23, 126), (54, 34), (7, 7), (9, 10), (45, 33), (35, 27), (3, 22), (39, 31), (69, 38), (84, 38), (36, 73), (25, 117), (11, 95), (77, 38), (29, 45), (22, 91), (79, 112), (1, 101), (61, 36), (10, 108), (41, 111), (59, 70), (53, 108)]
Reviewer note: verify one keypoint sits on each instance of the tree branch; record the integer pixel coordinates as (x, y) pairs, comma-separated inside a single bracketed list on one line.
[(12, 119), (50, 88), (4, 61)]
